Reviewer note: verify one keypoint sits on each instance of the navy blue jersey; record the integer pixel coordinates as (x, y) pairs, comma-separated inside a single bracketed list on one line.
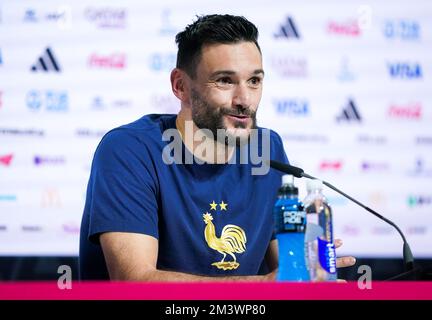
[(209, 219)]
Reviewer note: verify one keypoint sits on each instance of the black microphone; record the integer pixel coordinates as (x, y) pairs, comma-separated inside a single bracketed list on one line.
[(299, 173)]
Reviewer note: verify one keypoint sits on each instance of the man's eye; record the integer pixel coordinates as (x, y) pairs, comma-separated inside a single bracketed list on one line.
[(255, 81), (224, 80)]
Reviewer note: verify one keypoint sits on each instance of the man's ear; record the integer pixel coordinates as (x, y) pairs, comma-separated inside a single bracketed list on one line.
[(180, 85)]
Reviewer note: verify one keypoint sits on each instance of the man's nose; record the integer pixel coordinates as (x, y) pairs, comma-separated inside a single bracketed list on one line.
[(241, 96)]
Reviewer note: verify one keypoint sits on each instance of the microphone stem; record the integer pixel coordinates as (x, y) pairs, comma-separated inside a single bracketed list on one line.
[(366, 208), (408, 257)]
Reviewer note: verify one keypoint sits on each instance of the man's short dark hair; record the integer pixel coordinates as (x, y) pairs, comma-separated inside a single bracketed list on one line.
[(211, 29)]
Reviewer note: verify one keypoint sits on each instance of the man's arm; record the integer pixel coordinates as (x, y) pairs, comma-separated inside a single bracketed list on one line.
[(133, 256), (272, 255)]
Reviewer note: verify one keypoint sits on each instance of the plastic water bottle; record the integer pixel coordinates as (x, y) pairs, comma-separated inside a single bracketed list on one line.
[(321, 253), (290, 227)]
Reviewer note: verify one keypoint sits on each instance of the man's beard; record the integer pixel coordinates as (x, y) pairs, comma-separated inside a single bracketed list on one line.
[(211, 117)]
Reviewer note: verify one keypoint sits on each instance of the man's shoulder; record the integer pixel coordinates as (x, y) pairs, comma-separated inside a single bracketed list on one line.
[(150, 122), (277, 151), (274, 136), (147, 128), (132, 138)]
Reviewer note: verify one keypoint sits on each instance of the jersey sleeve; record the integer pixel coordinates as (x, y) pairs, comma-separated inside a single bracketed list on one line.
[(277, 148), (122, 190)]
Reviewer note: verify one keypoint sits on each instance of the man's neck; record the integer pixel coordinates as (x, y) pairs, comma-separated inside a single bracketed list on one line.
[(201, 146)]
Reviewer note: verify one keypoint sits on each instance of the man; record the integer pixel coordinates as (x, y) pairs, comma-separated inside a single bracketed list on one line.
[(149, 219)]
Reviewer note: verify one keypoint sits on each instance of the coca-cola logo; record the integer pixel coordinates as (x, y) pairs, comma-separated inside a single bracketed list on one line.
[(409, 111), (112, 61), (349, 28)]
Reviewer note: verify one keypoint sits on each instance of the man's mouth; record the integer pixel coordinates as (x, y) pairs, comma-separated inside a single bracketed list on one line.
[(239, 116)]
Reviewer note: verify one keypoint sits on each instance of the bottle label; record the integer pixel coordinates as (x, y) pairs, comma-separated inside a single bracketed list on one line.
[(294, 221), (327, 255)]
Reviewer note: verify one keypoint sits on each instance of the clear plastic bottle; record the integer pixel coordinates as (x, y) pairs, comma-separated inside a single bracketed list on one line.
[(290, 227), (321, 253)]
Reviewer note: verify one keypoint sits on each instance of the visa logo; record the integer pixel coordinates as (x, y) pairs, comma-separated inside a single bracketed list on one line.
[(297, 107), (405, 70)]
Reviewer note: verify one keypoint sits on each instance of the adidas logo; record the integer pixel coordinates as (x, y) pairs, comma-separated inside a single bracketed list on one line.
[(6, 160), (288, 30), (46, 62), (349, 113)]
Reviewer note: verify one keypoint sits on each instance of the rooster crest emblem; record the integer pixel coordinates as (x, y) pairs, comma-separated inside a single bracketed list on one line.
[(232, 240)]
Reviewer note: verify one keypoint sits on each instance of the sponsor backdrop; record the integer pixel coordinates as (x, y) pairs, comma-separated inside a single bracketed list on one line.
[(347, 86)]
